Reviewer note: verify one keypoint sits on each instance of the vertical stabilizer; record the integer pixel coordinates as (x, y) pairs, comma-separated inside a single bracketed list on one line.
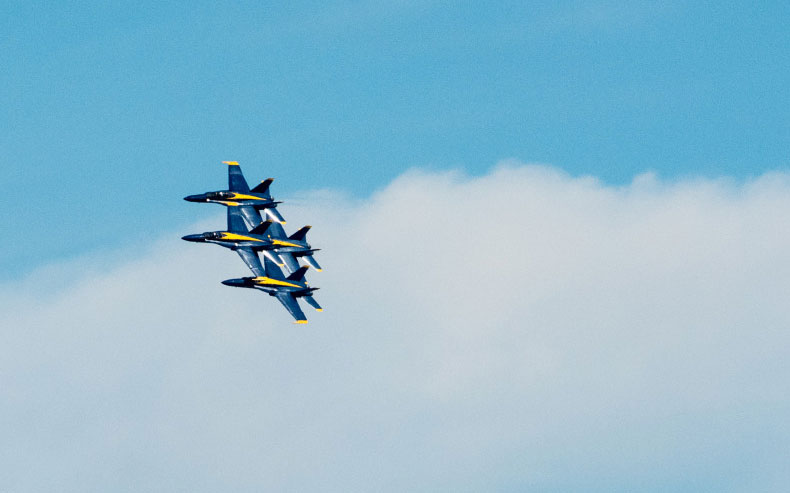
[(301, 234), (236, 181)]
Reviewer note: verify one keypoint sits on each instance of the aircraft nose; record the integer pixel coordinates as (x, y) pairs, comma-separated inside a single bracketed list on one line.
[(234, 282), (195, 198), (192, 237)]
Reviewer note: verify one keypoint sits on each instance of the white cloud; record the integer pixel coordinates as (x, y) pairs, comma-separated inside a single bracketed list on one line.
[(519, 330)]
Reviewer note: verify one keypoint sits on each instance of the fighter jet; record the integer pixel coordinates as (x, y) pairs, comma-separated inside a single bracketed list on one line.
[(285, 289), (245, 243), (239, 194)]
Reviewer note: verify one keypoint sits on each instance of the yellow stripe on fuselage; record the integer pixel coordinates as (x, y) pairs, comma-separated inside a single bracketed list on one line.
[(225, 202), (234, 236), (285, 243), (268, 281), (241, 196)]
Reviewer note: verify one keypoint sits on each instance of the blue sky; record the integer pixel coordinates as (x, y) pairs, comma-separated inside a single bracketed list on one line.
[(613, 319), (113, 112)]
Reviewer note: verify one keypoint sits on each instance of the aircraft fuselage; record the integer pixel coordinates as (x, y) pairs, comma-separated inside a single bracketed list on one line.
[(256, 242), (272, 286), (226, 197)]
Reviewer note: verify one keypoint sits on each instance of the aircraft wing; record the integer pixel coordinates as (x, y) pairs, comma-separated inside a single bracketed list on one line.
[(252, 260), (290, 262), (272, 270), (251, 215), (289, 302), (236, 220)]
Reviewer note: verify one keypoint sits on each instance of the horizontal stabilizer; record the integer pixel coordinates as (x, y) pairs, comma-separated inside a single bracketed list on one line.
[(310, 260), (275, 215), (298, 275), (263, 187), (261, 228), (312, 302), (270, 255), (300, 235)]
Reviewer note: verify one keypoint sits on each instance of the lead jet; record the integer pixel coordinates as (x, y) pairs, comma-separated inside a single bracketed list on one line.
[(245, 243), (285, 289), (239, 194)]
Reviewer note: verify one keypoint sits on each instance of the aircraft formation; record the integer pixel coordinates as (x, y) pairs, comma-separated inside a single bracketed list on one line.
[(248, 234)]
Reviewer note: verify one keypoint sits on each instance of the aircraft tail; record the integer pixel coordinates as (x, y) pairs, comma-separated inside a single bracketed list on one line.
[(298, 274), (236, 181), (271, 255), (261, 228), (312, 261), (275, 215), (301, 234), (312, 302), (263, 188)]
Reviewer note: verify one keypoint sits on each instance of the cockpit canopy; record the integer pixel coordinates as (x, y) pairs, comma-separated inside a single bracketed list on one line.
[(219, 195), (214, 235)]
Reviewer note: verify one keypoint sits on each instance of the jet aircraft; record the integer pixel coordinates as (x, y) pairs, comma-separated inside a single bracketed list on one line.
[(239, 194), (290, 247), (237, 238), (285, 289), (244, 243)]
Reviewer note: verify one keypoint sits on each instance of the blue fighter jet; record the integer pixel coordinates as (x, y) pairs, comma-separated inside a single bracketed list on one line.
[(245, 243), (285, 289), (239, 194)]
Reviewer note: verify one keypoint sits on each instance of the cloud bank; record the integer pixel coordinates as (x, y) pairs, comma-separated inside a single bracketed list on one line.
[(523, 330)]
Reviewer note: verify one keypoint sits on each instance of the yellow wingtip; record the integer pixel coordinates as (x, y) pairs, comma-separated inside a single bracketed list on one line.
[(319, 270), (231, 163), (319, 309), (301, 322)]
